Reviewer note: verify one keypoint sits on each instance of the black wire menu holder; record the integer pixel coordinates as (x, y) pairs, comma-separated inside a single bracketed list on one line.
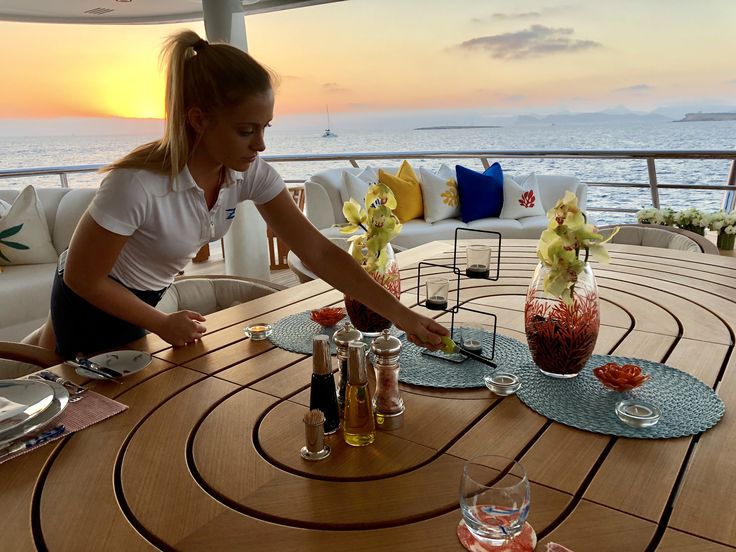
[(438, 305)]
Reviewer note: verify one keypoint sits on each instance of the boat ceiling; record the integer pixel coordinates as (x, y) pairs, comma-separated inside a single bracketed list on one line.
[(123, 12)]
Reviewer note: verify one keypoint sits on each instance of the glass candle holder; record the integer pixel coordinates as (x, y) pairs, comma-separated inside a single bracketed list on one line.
[(259, 331), (437, 291), (472, 336), (479, 261)]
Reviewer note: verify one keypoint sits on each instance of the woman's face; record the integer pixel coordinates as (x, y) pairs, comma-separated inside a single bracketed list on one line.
[(234, 137)]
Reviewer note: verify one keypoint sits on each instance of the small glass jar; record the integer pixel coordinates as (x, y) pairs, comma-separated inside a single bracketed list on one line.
[(387, 402), (343, 337)]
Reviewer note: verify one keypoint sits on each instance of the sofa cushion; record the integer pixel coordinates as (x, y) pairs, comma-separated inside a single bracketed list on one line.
[(521, 197), (407, 190), (552, 187), (481, 194), (71, 208), (439, 193), (24, 232), (355, 186), (25, 295), (4, 208)]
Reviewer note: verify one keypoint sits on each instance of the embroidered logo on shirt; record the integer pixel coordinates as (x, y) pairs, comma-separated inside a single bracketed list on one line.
[(230, 213)]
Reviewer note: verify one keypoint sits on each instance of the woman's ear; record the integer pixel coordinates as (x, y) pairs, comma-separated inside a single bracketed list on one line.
[(197, 120)]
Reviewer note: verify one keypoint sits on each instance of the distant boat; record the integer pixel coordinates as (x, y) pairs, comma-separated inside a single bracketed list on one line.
[(328, 133)]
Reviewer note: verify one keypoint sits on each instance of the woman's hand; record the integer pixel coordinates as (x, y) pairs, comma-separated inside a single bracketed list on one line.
[(182, 327), (422, 331)]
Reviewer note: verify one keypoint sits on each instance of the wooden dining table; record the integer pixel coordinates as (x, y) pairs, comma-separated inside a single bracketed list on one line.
[(206, 457)]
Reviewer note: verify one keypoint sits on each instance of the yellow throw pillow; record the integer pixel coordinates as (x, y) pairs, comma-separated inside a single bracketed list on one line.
[(406, 189)]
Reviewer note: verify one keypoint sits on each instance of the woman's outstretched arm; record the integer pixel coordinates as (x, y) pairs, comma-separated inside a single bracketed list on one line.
[(340, 270)]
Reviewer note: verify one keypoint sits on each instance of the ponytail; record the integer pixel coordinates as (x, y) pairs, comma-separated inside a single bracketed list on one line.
[(211, 77)]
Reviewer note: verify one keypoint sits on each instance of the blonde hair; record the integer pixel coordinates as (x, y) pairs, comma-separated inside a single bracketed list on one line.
[(211, 77)]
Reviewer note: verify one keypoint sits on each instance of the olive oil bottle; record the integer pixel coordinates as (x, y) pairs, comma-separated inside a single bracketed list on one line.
[(359, 427)]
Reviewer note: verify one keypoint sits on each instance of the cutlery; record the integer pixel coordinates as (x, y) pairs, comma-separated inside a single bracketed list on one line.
[(17, 446), (87, 363), (50, 376), (93, 367)]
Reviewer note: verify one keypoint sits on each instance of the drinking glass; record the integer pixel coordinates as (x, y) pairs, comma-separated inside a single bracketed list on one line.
[(494, 498)]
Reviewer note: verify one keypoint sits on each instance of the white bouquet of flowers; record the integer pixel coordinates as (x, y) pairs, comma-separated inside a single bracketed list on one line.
[(725, 224)]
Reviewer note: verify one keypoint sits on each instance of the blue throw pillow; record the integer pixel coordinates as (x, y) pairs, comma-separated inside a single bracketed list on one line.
[(481, 194)]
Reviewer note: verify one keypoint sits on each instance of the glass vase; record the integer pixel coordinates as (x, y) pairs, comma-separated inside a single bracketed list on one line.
[(561, 337), (363, 318)]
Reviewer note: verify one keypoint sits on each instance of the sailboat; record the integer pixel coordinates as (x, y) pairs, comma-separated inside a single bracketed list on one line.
[(328, 133)]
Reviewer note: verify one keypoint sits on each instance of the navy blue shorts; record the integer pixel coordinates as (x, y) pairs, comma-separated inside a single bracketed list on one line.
[(82, 328)]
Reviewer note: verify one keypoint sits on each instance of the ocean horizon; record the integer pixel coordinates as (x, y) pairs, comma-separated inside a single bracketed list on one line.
[(18, 152)]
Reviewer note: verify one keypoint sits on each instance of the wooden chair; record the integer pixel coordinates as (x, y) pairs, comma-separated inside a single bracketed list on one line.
[(19, 359), (277, 249)]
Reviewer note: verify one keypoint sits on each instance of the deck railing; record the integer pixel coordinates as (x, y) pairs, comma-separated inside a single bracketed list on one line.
[(486, 157)]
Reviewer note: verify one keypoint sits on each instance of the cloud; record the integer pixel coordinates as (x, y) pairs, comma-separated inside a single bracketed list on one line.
[(544, 12), (636, 88), (334, 87), (731, 81), (536, 41)]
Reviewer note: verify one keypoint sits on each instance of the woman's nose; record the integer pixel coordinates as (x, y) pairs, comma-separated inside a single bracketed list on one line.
[(259, 142)]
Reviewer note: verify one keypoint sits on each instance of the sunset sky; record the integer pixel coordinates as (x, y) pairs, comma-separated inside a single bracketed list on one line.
[(383, 55)]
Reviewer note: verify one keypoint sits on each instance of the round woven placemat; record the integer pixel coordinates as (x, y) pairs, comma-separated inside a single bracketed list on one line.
[(688, 406), (296, 332), (422, 369)]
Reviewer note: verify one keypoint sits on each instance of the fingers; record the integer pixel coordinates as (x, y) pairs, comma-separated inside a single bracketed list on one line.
[(194, 315)]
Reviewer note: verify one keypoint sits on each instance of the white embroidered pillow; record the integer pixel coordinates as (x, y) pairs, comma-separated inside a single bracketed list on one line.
[(24, 232), (521, 197), (356, 185), (441, 200)]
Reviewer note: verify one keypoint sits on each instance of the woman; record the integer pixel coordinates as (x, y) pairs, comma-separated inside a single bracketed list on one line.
[(163, 201)]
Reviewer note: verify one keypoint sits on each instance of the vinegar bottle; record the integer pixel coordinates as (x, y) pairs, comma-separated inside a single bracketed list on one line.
[(359, 428), (323, 395)]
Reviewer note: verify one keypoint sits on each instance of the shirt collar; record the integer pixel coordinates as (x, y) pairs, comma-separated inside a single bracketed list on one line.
[(185, 181)]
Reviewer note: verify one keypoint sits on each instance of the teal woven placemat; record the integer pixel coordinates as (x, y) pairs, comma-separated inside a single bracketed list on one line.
[(422, 369), (688, 406), (296, 332)]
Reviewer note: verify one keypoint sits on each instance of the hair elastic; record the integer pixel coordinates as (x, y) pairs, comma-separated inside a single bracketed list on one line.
[(199, 45)]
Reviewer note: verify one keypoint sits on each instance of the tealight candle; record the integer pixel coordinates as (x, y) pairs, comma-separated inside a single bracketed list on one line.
[(502, 384), (637, 413), (479, 261), (258, 332)]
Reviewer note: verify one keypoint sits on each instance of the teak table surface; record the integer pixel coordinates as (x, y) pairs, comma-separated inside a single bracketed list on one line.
[(207, 455)]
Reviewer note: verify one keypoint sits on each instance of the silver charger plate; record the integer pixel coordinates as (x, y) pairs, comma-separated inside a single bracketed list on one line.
[(124, 362), (59, 402), (22, 400)]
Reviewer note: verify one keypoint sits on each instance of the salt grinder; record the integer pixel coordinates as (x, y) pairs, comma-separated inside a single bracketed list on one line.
[(342, 338), (315, 449), (387, 402)]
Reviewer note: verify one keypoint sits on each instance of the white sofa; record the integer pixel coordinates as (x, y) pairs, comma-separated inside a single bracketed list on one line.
[(25, 290), (324, 209)]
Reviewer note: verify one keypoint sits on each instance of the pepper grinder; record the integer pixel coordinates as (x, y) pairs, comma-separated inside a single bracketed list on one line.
[(387, 401), (323, 395), (343, 337)]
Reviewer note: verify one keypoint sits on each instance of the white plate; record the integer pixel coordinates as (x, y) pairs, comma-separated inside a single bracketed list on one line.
[(58, 403), (22, 400), (123, 362)]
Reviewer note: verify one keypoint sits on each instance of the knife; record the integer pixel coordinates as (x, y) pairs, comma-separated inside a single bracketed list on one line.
[(17, 446), (104, 373)]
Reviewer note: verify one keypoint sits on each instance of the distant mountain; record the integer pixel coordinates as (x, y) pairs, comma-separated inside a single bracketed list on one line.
[(700, 116), (617, 116)]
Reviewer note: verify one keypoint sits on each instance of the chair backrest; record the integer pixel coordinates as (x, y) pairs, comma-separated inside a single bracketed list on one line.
[(208, 294), (667, 237), (19, 359)]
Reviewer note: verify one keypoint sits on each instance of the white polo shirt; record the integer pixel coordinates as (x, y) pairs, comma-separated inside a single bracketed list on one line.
[(168, 220)]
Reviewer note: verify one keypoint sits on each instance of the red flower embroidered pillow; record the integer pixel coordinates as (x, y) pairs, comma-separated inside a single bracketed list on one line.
[(521, 197)]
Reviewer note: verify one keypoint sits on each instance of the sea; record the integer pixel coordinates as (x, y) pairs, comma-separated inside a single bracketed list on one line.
[(48, 151)]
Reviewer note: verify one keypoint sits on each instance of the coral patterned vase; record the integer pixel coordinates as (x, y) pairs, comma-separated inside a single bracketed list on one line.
[(561, 337), (363, 318)]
